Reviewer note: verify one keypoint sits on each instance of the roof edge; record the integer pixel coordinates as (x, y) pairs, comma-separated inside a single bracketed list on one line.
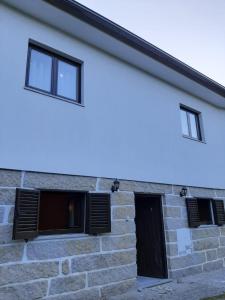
[(118, 32)]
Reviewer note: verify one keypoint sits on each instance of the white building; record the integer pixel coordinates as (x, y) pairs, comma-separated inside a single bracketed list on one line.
[(83, 102)]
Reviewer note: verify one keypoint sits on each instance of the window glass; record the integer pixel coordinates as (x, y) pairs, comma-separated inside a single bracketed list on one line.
[(190, 123), (67, 80), (204, 209), (61, 211), (184, 122), (193, 125), (40, 71)]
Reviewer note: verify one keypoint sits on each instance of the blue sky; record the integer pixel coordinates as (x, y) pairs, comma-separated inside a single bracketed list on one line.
[(191, 30)]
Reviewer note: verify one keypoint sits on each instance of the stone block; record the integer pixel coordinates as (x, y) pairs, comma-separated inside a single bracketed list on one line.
[(211, 255), (67, 284), (111, 275), (171, 236), (11, 215), (11, 253), (222, 230), (65, 267), (185, 272), (202, 233), (61, 248), (123, 226), (220, 193), (145, 187), (213, 265), (28, 291), (171, 249), (222, 241), (102, 261), (56, 181), (184, 213), (116, 243), (2, 212), (10, 178), (204, 244), (123, 212), (172, 212), (202, 192), (105, 184), (172, 200), (5, 234), (187, 261), (221, 252), (118, 288), (122, 198), (136, 186), (17, 273), (7, 196), (173, 224), (90, 294)]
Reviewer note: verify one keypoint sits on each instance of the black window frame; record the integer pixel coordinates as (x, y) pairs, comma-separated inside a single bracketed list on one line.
[(197, 116), (56, 56)]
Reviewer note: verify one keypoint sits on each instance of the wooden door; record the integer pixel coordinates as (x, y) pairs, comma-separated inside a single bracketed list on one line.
[(151, 256)]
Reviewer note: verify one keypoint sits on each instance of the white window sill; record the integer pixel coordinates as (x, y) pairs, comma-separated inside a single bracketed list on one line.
[(208, 226), (193, 139), (61, 236)]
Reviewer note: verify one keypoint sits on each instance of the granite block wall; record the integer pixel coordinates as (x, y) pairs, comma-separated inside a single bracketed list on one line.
[(80, 266)]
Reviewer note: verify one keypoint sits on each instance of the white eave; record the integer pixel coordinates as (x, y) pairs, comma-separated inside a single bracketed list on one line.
[(188, 80)]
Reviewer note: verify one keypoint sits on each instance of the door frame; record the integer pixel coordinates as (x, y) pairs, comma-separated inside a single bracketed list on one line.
[(163, 237)]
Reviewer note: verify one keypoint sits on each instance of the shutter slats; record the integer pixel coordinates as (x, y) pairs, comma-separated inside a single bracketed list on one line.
[(219, 213), (192, 212), (26, 214), (98, 213)]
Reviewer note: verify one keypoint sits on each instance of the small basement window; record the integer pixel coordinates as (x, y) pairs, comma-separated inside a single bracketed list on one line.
[(58, 212), (61, 212), (205, 211)]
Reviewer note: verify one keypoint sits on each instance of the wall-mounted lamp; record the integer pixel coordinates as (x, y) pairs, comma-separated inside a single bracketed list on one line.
[(115, 186), (183, 192)]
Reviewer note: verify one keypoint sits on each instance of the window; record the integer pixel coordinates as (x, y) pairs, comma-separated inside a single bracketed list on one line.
[(61, 211), (55, 212), (205, 211), (190, 124), (54, 74)]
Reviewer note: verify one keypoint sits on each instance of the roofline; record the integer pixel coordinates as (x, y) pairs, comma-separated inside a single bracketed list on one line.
[(118, 32)]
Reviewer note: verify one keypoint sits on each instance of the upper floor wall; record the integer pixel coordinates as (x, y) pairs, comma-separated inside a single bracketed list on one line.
[(129, 126)]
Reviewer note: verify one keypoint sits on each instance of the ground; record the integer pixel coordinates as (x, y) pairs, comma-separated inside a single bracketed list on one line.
[(205, 286)]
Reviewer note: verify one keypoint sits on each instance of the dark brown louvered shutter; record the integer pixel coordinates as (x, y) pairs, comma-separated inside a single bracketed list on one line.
[(98, 215), (219, 213), (192, 212), (26, 214)]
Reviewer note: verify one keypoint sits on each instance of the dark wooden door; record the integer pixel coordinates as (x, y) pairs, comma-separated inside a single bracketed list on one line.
[(151, 256)]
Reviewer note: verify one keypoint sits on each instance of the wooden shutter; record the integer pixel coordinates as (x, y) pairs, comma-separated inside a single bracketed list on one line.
[(26, 214), (192, 212), (219, 213), (98, 213)]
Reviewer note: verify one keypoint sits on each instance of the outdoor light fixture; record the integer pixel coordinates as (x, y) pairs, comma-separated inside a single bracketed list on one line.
[(115, 186), (183, 192)]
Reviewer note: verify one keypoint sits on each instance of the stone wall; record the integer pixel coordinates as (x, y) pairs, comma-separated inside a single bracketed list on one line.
[(79, 266), (192, 250), (73, 266)]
